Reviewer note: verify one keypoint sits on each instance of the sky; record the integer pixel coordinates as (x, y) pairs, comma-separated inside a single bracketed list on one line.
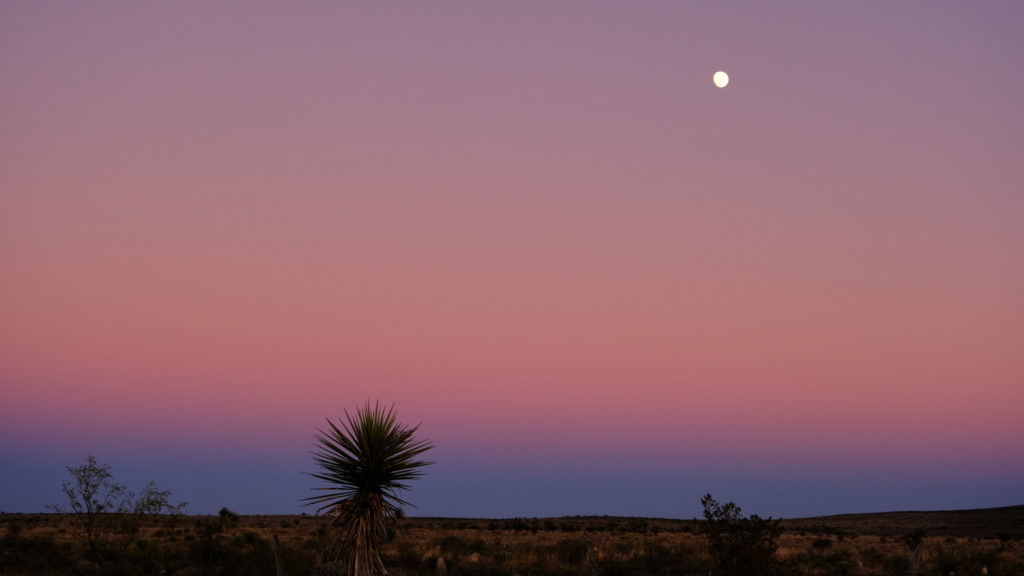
[(597, 282)]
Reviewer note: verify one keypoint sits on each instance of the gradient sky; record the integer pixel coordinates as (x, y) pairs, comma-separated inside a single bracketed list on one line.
[(601, 284)]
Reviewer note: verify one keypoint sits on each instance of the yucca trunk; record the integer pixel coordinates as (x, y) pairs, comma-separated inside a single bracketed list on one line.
[(362, 532)]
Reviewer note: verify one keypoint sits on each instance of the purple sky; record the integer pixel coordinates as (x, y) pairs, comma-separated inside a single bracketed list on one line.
[(602, 284)]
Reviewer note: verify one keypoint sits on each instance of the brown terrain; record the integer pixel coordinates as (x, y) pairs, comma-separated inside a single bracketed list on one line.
[(987, 541)]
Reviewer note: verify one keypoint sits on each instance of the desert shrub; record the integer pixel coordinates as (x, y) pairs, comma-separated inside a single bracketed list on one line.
[(615, 566), (570, 550), (1007, 562), (896, 565), (406, 554), (108, 514), (33, 555), (453, 546), (649, 557), (228, 519), (821, 543), (502, 556), (831, 562), (669, 560), (204, 545), (144, 557), (572, 527), (915, 542), (623, 566), (15, 527), (962, 558), (478, 546), (250, 539), (298, 557), (246, 554), (637, 525), (742, 546), (250, 554), (531, 525)]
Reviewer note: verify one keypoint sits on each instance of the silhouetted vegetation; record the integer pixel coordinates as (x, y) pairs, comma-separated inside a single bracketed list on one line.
[(365, 461), (739, 545), (107, 514)]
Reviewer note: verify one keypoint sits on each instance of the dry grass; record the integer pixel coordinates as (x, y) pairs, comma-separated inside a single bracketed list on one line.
[(854, 545)]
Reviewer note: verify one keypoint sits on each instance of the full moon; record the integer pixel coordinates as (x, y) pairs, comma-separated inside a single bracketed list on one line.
[(721, 79)]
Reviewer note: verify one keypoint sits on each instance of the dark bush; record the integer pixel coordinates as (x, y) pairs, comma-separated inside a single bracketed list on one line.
[(739, 546), (821, 543), (897, 565)]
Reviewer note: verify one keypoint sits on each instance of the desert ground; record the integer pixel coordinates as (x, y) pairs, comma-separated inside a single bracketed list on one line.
[(989, 541)]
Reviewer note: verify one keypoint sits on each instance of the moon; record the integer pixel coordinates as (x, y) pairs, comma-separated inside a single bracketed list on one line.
[(721, 79)]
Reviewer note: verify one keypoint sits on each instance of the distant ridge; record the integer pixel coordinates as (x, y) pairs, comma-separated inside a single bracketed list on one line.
[(1003, 522), (1006, 521)]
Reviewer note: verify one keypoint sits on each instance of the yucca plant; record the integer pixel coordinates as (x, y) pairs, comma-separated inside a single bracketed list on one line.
[(366, 461)]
